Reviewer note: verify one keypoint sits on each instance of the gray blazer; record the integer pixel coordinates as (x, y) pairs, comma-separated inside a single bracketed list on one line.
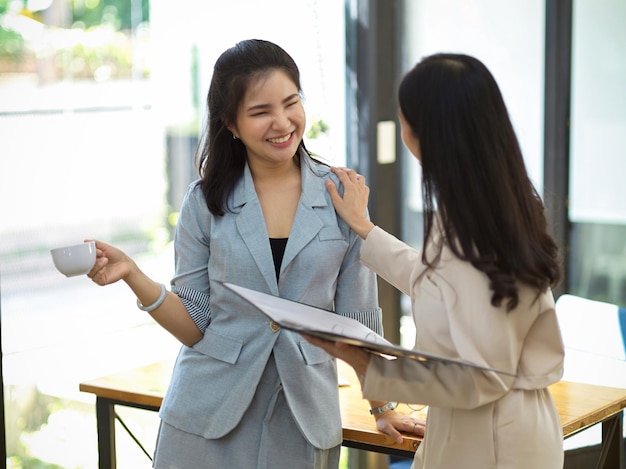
[(214, 381)]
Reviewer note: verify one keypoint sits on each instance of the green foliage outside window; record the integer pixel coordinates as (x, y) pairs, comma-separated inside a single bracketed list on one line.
[(4, 5), (117, 13), (11, 44), (98, 44)]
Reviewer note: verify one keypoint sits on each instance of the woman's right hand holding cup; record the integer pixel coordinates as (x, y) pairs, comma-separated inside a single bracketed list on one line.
[(111, 265)]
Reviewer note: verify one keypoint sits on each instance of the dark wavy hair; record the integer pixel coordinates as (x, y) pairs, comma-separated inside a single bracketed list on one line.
[(473, 176), (220, 158)]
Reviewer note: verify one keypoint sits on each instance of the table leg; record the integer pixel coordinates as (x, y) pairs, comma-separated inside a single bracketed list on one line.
[(105, 417), (612, 450)]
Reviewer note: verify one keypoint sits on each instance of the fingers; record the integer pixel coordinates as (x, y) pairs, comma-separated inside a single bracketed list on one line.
[(418, 427), (315, 340), (355, 189), (386, 426), (411, 424), (392, 423), (395, 434), (332, 190), (326, 345), (98, 270), (101, 270), (348, 175)]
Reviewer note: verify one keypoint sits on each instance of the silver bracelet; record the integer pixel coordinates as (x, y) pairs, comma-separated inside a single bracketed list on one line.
[(156, 304), (383, 408)]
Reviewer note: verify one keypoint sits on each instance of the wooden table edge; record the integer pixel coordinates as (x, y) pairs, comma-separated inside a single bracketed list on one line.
[(138, 398), (101, 388)]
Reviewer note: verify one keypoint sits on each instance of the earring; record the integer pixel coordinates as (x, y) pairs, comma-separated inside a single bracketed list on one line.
[(234, 137)]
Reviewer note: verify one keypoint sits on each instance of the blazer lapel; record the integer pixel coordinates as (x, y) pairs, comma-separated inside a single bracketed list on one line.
[(307, 222), (251, 227), (251, 224)]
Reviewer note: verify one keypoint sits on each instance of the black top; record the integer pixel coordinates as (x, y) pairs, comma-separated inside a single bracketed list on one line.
[(278, 251)]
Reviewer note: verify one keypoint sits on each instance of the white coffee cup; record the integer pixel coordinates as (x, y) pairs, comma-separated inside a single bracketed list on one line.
[(75, 260)]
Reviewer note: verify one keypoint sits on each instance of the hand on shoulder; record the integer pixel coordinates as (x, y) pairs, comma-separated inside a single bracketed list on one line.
[(352, 207)]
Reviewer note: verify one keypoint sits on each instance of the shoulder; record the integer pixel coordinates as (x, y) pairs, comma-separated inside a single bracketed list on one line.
[(194, 202), (194, 193), (319, 166)]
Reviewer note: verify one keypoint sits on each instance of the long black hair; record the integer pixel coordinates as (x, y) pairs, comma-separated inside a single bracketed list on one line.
[(220, 158), (473, 175)]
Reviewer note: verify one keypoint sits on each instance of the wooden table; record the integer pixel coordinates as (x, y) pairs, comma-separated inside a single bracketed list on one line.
[(579, 405)]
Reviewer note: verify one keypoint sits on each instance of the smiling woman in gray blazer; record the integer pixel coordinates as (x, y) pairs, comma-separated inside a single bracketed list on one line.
[(244, 393)]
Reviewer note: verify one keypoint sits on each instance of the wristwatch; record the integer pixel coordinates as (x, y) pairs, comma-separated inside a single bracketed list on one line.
[(383, 408)]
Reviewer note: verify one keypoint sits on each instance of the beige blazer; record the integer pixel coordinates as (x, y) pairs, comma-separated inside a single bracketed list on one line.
[(476, 419)]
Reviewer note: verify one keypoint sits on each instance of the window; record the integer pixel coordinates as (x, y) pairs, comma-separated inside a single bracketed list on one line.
[(509, 39), (597, 210), (100, 109)]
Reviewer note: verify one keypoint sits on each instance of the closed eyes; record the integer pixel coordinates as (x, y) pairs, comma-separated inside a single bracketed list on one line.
[(262, 113)]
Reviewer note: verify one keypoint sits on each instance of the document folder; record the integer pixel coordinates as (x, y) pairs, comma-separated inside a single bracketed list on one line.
[(327, 325)]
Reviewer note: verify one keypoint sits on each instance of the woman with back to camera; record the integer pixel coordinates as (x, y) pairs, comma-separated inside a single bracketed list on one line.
[(480, 288), (244, 393)]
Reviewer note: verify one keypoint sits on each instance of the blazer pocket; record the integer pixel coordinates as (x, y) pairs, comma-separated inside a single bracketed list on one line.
[(329, 233), (220, 347), (312, 354)]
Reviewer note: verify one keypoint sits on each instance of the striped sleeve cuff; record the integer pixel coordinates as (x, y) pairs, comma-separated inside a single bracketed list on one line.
[(371, 319), (197, 304)]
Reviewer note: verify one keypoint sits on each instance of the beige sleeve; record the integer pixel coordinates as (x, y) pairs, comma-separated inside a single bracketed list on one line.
[(392, 259)]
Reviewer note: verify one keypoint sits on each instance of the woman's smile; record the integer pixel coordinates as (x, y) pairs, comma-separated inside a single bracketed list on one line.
[(284, 139)]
